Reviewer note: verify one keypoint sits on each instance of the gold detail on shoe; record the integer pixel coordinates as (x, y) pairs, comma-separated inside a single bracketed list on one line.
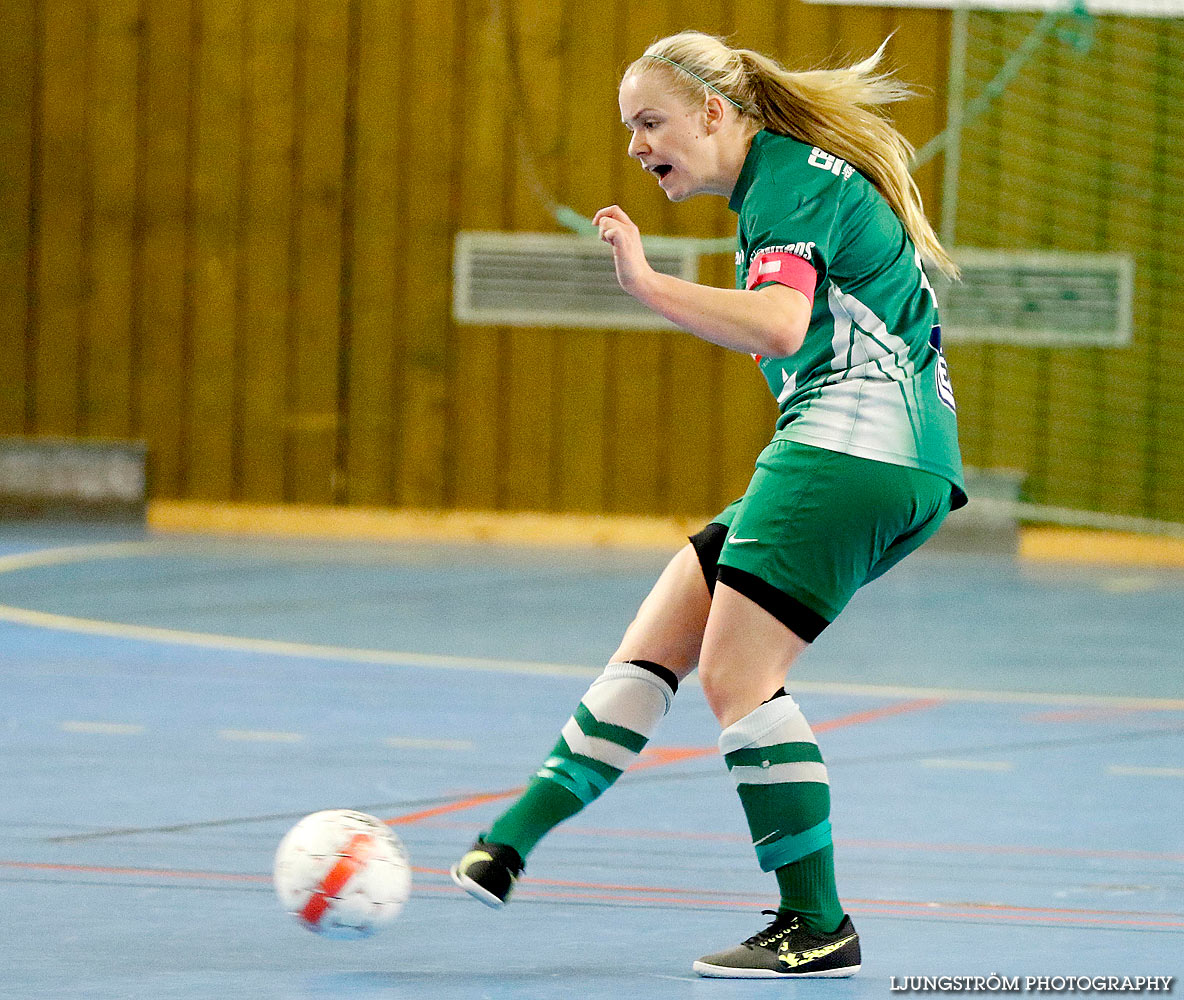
[(792, 959), (472, 858)]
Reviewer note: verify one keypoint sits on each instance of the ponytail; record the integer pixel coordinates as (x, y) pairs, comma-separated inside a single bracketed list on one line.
[(836, 110)]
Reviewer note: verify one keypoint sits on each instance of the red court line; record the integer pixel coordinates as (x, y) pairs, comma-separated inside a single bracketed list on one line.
[(44, 866), (547, 889), (466, 803), (944, 911), (875, 714), (1054, 852), (662, 756), (934, 912), (960, 911), (655, 892), (154, 872), (626, 833)]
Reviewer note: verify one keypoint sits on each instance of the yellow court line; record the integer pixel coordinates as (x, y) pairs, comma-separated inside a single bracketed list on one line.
[(64, 555), (1110, 548), (1039, 543), (275, 647), (382, 657), (405, 525)]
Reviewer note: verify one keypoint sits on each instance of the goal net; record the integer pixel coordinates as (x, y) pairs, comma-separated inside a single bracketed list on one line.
[(1064, 179)]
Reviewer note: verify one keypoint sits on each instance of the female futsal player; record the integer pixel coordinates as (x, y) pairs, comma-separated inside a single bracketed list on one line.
[(833, 303)]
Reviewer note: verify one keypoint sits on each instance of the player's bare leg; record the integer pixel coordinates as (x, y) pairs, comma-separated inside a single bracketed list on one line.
[(668, 627), (746, 654)]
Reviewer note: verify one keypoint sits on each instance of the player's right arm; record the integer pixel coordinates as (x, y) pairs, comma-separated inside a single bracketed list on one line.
[(771, 322)]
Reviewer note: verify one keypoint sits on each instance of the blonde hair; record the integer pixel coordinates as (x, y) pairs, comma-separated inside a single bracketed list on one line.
[(837, 110)]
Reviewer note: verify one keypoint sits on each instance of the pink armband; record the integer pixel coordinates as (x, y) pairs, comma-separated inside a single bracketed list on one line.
[(785, 269)]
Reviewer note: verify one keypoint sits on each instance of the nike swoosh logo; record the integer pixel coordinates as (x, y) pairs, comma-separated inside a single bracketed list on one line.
[(775, 833), (741, 541), (792, 959)]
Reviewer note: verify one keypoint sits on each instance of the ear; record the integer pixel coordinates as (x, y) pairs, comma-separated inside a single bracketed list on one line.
[(713, 113)]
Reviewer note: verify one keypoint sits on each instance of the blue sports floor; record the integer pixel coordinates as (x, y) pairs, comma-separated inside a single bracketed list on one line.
[(1004, 742)]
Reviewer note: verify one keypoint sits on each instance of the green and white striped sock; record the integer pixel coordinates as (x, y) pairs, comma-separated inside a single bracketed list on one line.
[(611, 725), (783, 785)]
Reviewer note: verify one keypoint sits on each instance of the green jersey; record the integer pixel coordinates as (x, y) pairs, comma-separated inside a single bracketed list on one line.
[(869, 379)]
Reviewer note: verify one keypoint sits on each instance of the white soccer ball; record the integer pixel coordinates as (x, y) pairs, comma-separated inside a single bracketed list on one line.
[(342, 874)]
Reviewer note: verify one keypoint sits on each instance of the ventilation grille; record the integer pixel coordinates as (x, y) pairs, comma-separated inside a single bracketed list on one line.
[(1026, 298), (538, 279), (1039, 299)]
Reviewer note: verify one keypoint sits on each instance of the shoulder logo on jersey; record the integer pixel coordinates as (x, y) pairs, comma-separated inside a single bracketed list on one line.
[(945, 388), (828, 161), (803, 249)]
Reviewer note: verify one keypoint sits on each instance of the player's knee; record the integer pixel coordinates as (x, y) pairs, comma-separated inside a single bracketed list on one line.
[(733, 688), (716, 689)]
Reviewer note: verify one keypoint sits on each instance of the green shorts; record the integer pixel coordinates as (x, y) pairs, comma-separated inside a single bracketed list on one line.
[(815, 526)]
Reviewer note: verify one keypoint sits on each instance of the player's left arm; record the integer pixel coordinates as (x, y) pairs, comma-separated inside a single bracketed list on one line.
[(771, 321)]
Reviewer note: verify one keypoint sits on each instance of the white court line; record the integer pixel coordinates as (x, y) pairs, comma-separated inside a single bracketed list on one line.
[(1145, 772), (968, 765), (379, 657), (259, 736), (103, 728)]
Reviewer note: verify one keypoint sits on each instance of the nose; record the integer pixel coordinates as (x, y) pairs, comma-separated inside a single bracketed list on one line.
[(637, 144)]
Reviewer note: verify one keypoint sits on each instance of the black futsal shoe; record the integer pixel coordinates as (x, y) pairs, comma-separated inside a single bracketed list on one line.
[(787, 948), (488, 872)]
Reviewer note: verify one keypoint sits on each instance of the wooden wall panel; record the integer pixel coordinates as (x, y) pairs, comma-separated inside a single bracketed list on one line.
[(111, 141), (373, 358), (161, 286), (20, 82), (265, 283), (593, 149), (63, 185), (1166, 472), (637, 392), (691, 375), (490, 122), (429, 98), (216, 183), (537, 37), (312, 419), (1132, 150)]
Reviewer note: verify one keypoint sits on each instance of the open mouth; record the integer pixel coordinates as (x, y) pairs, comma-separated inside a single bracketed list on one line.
[(662, 169)]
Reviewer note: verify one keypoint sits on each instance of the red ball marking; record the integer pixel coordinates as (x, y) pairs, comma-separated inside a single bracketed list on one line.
[(350, 861)]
